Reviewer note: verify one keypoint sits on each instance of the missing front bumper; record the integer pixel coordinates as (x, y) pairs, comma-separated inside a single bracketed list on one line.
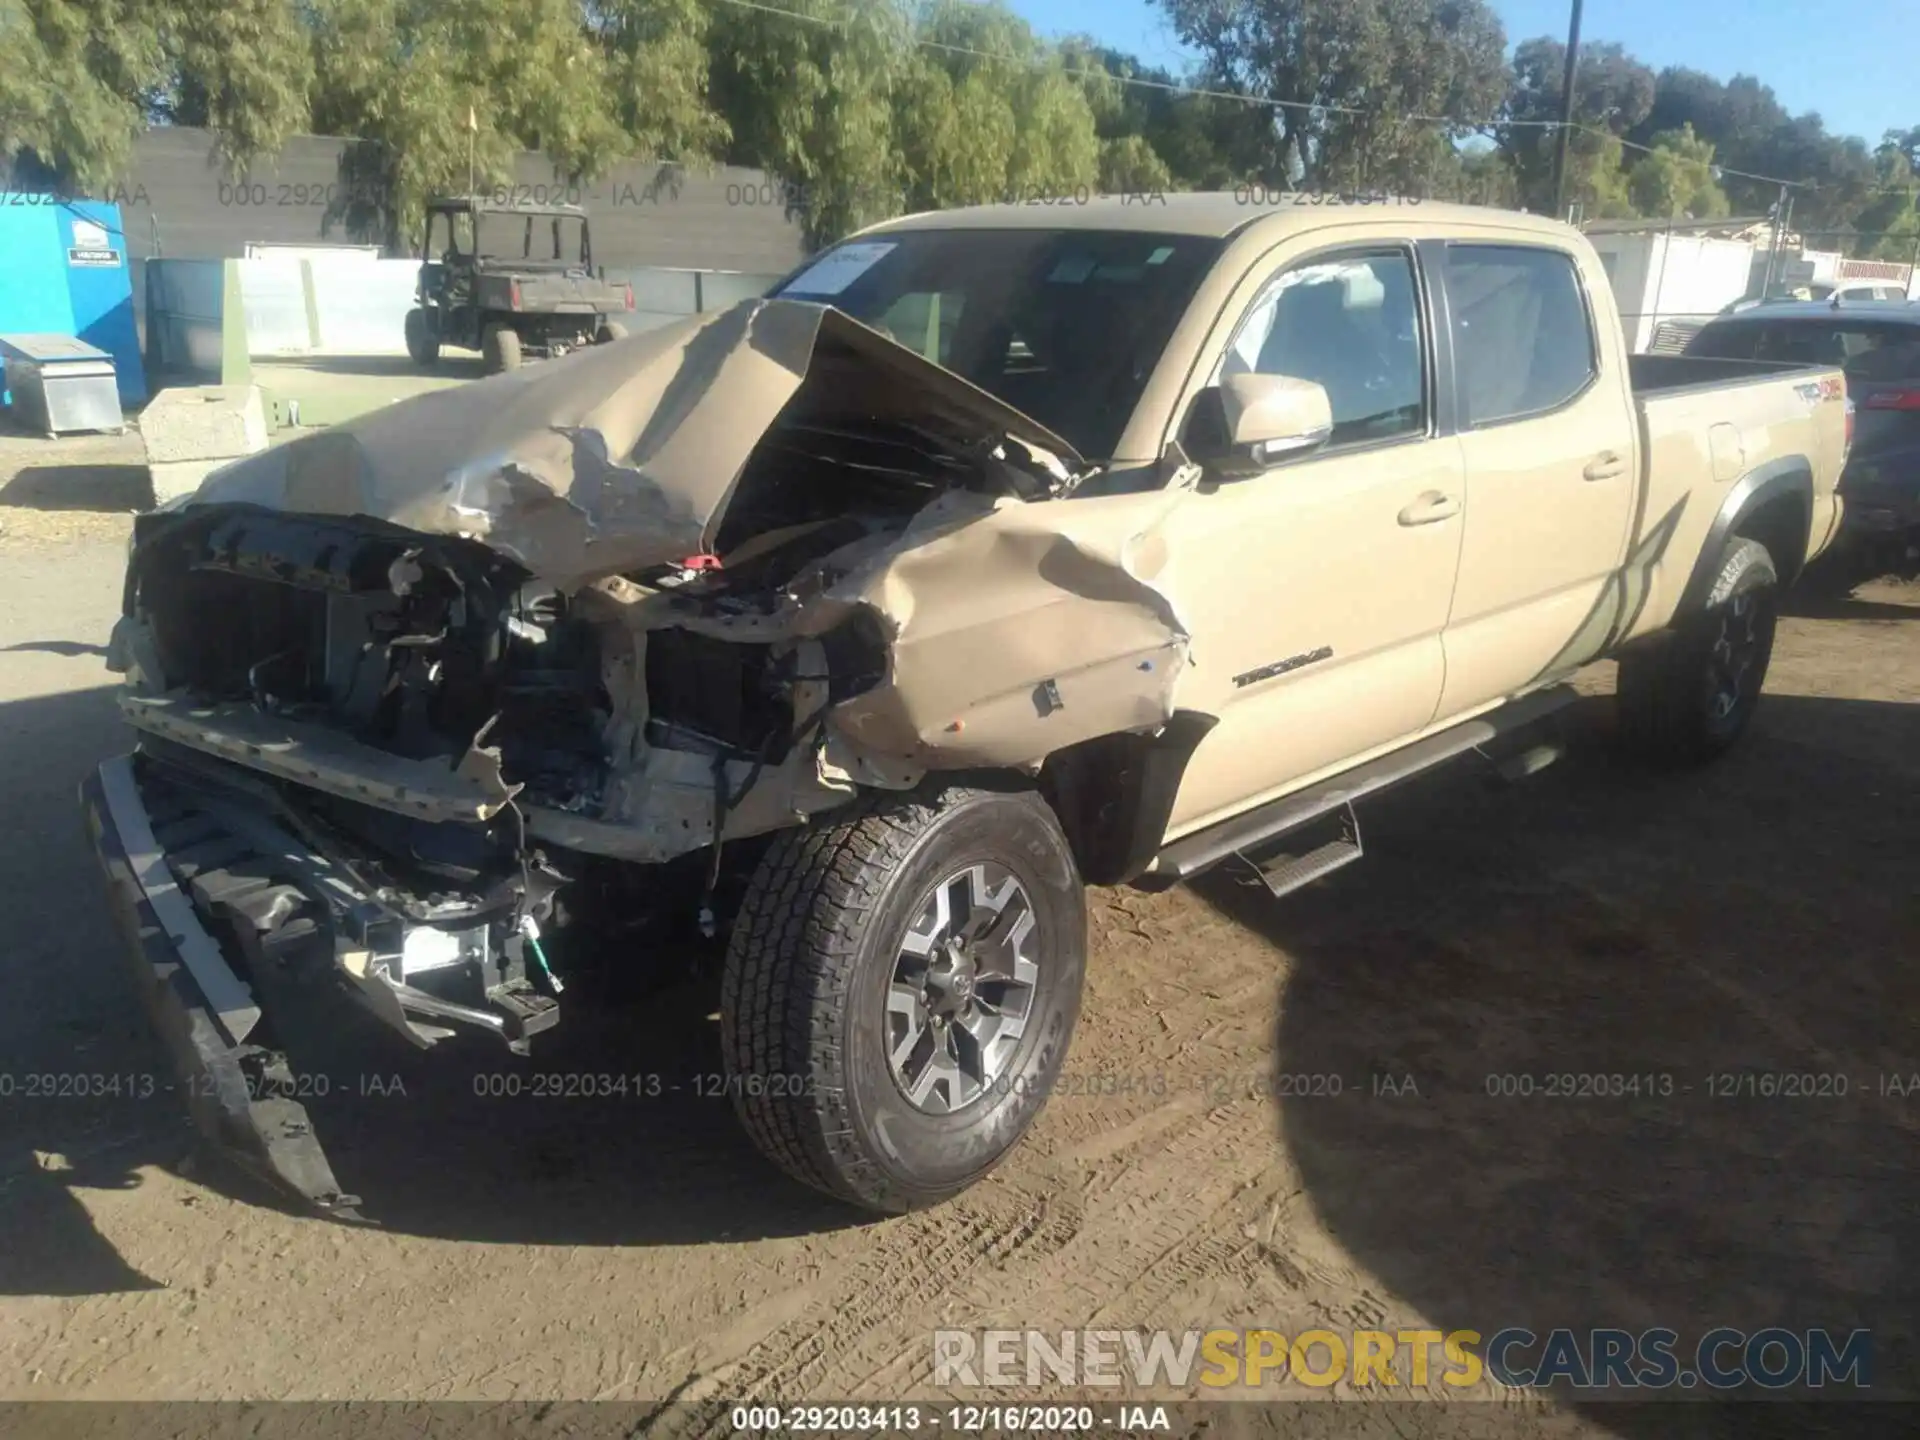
[(229, 921)]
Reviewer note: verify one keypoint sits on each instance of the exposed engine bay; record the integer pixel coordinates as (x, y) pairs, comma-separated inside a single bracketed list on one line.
[(418, 665)]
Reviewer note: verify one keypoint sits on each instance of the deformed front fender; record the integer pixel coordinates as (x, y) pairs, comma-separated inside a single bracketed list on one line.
[(1027, 631)]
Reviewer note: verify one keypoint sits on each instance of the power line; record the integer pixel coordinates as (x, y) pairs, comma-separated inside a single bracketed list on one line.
[(1322, 107)]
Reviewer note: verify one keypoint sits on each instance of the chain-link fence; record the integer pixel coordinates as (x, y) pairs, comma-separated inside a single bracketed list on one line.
[(1672, 277)]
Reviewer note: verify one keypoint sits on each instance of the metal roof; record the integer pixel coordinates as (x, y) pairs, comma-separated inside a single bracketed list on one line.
[(1216, 214)]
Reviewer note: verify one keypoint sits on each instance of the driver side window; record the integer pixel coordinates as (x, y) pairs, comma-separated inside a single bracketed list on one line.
[(1351, 324)]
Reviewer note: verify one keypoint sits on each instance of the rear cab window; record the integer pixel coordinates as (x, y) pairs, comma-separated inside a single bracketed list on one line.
[(1523, 339)]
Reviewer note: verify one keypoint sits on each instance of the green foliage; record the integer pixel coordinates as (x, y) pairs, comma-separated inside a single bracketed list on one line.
[(1889, 224), (240, 68), (865, 108), (814, 104), (74, 78), (1361, 77), (1612, 93), (1675, 180)]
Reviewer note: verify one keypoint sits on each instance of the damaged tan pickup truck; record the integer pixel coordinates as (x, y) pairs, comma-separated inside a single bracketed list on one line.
[(996, 553)]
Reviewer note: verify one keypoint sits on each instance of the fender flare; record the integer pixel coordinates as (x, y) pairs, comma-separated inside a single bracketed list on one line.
[(1790, 476), (1114, 795)]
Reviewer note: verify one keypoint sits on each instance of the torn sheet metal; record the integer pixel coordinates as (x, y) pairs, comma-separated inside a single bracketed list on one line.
[(620, 456), (327, 760), (1034, 628)]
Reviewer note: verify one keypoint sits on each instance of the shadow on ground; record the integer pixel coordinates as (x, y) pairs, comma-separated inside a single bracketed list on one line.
[(111, 488), (1692, 934), (616, 1133)]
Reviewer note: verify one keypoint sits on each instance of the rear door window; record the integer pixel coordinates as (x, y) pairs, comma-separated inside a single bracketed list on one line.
[(1522, 336)]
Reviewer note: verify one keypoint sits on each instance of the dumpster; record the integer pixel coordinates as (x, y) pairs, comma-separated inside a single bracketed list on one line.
[(60, 384)]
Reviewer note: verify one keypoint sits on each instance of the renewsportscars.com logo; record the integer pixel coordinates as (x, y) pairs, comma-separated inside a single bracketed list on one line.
[(1589, 1360)]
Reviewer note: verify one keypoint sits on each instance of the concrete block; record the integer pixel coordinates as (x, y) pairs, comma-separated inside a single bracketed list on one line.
[(192, 430)]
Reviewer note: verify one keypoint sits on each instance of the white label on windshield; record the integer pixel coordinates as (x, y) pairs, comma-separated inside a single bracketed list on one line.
[(837, 269)]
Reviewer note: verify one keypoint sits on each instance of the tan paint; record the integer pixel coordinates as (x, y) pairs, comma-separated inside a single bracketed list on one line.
[(1016, 628), (1549, 502)]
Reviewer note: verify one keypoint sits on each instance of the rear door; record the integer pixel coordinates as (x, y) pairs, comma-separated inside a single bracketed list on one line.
[(1550, 447)]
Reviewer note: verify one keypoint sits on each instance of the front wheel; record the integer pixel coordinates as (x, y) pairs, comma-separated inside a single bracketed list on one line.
[(1690, 698), (423, 337), (900, 989)]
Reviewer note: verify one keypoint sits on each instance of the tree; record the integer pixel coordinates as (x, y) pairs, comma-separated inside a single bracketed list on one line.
[(658, 68), (1023, 128), (1363, 80), (1207, 137), (239, 68), (1612, 93), (814, 104), (1889, 224), (75, 78), (1129, 165), (1675, 180), (403, 76)]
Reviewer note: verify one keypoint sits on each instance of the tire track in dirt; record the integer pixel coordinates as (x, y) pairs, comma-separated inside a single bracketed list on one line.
[(1159, 1220), (916, 1263)]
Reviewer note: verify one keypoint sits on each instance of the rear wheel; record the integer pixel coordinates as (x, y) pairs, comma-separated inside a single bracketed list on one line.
[(609, 332), (500, 349), (900, 989), (423, 337), (1690, 698)]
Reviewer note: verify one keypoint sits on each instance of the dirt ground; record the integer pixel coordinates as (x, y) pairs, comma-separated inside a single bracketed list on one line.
[(1756, 918)]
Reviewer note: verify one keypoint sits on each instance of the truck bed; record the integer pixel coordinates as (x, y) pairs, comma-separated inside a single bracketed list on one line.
[(1667, 374), (1727, 419)]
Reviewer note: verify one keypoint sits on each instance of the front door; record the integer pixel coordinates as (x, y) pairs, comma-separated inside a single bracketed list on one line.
[(1317, 590)]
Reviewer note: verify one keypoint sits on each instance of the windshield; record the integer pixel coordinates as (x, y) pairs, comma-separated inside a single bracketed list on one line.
[(533, 239), (1063, 325)]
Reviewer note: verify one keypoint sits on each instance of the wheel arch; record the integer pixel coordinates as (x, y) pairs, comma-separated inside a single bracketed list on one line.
[(1113, 795), (1772, 503)]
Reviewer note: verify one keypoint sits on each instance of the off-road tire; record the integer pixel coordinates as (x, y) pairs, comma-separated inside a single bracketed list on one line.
[(1668, 711), (803, 1018), (609, 332), (423, 337), (500, 349)]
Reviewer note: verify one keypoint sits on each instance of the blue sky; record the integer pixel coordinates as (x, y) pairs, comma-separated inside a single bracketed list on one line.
[(1859, 66)]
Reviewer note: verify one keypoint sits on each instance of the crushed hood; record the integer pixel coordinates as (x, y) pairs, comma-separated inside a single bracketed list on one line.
[(622, 456)]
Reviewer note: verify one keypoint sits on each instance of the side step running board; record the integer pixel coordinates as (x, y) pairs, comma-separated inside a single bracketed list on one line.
[(1296, 858), (1190, 855)]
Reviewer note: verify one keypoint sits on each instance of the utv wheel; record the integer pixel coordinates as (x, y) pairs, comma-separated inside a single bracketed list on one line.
[(500, 349), (899, 991), (423, 338), (609, 332), (1690, 698)]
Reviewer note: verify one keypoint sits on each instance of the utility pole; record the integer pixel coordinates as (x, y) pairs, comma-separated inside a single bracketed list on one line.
[(1782, 208), (1566, 116)]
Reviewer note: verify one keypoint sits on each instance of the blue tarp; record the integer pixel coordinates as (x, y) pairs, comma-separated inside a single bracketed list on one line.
[(64, 271)]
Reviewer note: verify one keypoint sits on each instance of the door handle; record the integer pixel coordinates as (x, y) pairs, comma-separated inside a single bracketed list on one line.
[(1433, 506), (1605, 466)]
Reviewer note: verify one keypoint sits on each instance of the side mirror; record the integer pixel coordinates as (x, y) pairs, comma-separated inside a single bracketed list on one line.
[(1270, 416)]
